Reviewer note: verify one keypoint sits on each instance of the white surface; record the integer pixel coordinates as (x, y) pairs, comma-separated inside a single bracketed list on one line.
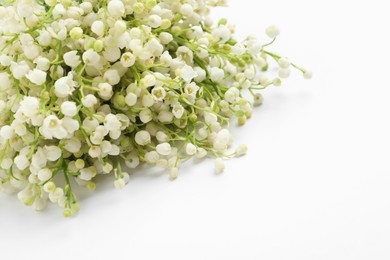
[(315, 184)]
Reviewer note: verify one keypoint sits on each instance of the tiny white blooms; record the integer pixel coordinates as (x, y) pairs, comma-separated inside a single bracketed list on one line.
[(19, 70), (94, 151), (21, 162), (178, 111), (116, 8), (72, 59), (6, 163), (187, 10), (142, 137), (59, 10), (5, 81), (146, 115), (174, 173), (221, 34), (159, 93), (127, 59), (52, 128), (70, 125), (272, 31), (69, 108), (201, 153), (29, 107), (89, 100), (87, 174), (119, 184), (120, 26), (162, 137), (219, 165), (165, 117), (307, 74), (154, 21), (64, 86), (258, 99), (152, 157), (45, 174), (149, 80), (165, 38), (238, 49), (20, 129), (277, 82), (98, 28), (72, 145), (5, 60), (222, 140), (42, 63), (86, 7), (77, 32), (126, 177), (112, 54), (44, 38), (148, 100), (91, 57), (164, 148), (191, 89), (112, 122), (187, 73), (217, 74), (36, 76), (112, 76), (284, 63), (232, 94), (132, 161), (131, 99), (241, 150), (210, 118), (105, 91), (191, 149), (49, 187)]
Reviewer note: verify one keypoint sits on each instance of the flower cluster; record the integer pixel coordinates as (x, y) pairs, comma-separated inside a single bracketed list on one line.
[(98, 87)]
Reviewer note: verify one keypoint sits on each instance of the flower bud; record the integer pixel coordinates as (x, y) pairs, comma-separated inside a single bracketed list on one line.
[(76, 33)]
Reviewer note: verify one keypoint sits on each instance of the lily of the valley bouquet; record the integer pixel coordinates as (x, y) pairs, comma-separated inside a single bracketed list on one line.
[(99, 87)]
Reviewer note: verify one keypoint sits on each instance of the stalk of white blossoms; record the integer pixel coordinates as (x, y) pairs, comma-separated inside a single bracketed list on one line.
[(89, 86)]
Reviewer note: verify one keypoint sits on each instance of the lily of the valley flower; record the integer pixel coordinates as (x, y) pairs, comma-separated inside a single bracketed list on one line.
[(90, 87)]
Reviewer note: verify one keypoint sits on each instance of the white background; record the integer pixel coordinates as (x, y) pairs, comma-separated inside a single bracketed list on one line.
[(315, 184)]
